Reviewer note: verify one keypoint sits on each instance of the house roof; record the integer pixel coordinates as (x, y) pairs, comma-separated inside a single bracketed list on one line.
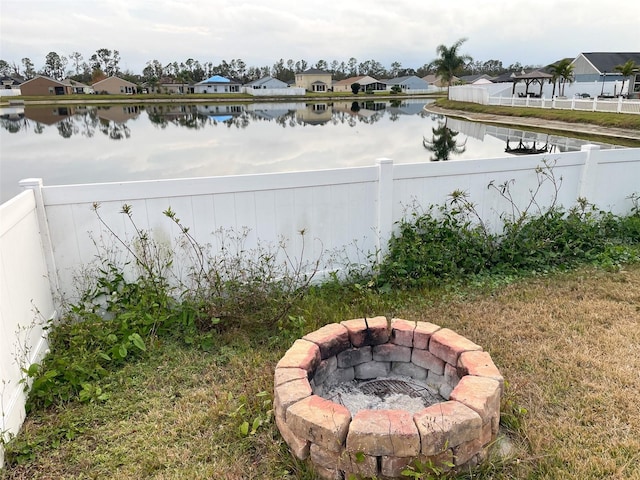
[(9, 80), (45, 77), (73, 83), (216, 79), (349, 81), (532, 75), (315, 71), (126, 82), (608, 61), (263, 80), (438, 81), (399, 80), (475, 77), (506, 77)]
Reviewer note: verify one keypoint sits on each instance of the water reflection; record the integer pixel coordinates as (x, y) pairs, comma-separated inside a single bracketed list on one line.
[(112, 120), (86, 144), (443, 143)]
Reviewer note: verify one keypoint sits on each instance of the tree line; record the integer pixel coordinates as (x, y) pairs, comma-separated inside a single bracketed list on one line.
[(105, 62)]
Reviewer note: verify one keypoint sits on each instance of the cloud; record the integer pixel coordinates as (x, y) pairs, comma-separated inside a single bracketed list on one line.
[(261, 33)]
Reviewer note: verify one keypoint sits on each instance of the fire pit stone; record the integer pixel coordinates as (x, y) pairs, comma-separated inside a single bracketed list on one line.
[(386, 358)]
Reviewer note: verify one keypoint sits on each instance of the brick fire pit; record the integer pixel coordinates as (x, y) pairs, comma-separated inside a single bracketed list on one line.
[(382, 443)]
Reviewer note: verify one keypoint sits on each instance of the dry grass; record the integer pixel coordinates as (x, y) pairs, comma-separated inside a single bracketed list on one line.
[(568, 345), (569, 348)]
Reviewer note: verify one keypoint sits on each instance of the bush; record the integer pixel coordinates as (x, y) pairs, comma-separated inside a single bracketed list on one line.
[(451, 241)]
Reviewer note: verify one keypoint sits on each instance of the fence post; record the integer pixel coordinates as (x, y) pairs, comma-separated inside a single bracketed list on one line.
[(595, 104), (35, 184), (619, 104), (586, 187), (385, 204)]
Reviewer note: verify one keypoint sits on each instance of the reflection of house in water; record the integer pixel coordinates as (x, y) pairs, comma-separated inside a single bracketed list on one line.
[(170, 112), (12, 119), (366, 109), (48, 115), (118, 114), (12, 113), (554, 143), (314, 114), (220, 113), (407, 107), (271, 111)]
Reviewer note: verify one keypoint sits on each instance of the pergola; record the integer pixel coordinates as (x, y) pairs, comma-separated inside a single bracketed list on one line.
[(536, 76)]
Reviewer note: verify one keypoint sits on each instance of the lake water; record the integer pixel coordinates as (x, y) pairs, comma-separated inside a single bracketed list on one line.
[(89, 144)]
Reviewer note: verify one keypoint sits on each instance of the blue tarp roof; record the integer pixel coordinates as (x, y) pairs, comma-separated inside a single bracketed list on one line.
[(217, 79)]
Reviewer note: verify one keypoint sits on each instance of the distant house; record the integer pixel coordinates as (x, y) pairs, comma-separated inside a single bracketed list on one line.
[(217, 84), (409, 84), (366, 82), (77, 87), (266, 83), (601, 67), (168, 85), (437, 81), (477, 79), (314, 80), (8, 83), (10, 86), (41, 85), (115, 86)]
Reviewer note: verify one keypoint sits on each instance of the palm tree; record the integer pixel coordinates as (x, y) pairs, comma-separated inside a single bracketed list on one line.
[(627, 69), (450, 62), (562, 71)]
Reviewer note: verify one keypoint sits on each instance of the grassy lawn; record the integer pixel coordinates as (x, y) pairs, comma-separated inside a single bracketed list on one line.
[(568, 345), (615, 120)]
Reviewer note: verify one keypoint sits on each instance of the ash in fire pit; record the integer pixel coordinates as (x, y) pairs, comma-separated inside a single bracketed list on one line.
[(383, 394)]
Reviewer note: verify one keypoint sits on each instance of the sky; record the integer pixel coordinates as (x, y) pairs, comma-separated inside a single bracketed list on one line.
[(262, 32)]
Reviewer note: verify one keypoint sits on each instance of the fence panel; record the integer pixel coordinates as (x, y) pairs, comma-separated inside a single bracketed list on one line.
[(25, 304)]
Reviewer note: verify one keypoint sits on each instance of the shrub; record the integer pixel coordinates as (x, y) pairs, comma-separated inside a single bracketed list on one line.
[(452, 241)]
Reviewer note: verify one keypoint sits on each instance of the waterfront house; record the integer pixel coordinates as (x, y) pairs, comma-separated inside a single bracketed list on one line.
[(437, 81), (77, 87), (266, 83), (217, 84), (115, 86), (41, 85), (408, 84), (366, 82), (314, 80)]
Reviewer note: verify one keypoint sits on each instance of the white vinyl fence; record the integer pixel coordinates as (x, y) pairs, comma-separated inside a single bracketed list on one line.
[(274, 92), (350, 211), (483, 96), (26, 303)]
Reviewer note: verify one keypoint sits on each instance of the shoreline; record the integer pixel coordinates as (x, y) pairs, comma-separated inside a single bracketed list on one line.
[(539, 123), (101, 100)]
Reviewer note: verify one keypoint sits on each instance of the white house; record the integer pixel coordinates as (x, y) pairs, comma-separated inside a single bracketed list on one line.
[(408, 84), (266, 83), (217, 84)]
